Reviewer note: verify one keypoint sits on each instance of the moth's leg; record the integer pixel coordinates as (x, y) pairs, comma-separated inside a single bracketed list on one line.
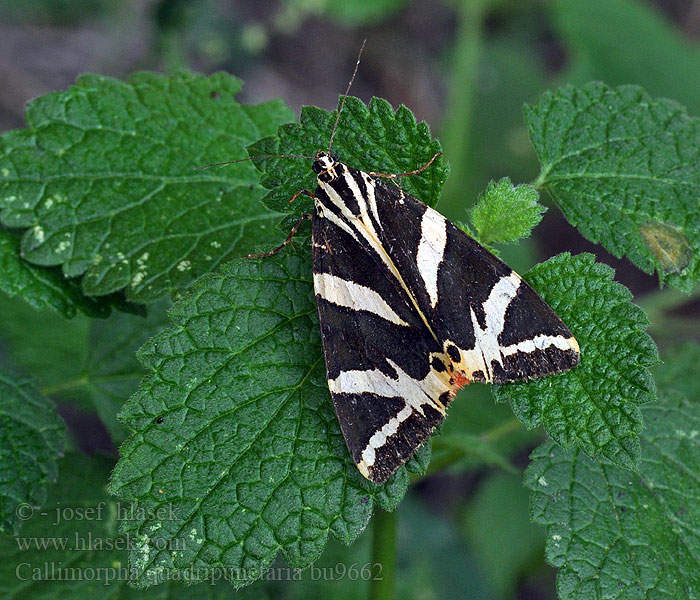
[(300, 193), (291, 233), (414, 172)]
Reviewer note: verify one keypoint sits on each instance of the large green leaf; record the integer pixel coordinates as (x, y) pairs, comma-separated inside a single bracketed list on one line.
[(87, 362), (47, 287), (624, 169), (112, 372), (620, 535), (32, 437), (72, 547), (624, 41), (104, 182), (595, 405), (234, 429)]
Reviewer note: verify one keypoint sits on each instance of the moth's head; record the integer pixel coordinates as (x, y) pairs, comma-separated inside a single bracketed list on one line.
[(324, 166), (324, 161)]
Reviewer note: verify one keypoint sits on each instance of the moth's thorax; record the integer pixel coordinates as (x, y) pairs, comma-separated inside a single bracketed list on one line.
[(327, 167)]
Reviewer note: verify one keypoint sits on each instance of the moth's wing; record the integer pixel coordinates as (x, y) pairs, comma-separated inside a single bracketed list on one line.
[(492, 323), (381, 360)]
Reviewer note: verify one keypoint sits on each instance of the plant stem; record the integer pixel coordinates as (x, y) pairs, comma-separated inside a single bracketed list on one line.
[(89, 382), (63, 386), (489, 436), (384, 526), (503, 429), (457, 122)]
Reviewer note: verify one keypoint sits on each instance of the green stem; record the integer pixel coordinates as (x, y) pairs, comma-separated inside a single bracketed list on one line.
[(501, 430), (89, 382), (384, 526), (490, 435), (457, 122), (439, 464), (538, 183), (81, 381)]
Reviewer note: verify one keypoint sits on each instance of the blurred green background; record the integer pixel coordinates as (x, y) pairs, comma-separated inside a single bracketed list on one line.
[(466, 67)]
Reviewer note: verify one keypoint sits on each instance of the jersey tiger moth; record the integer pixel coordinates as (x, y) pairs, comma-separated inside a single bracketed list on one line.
[(412, 309)]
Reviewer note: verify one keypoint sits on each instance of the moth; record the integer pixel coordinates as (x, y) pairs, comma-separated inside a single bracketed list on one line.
[(412, 309)]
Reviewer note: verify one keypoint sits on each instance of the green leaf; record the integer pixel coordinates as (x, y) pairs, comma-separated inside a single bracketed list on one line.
[(371, 138), (43, 343), (418, 463), (433, 562), (41, 287), (622, 535), (32, 437), (622, 41), (112, 372), (315, 581), (623, 168), (506, 213), (72, 547), (89, 362), (235, 429), (104, 180), (595, 405)]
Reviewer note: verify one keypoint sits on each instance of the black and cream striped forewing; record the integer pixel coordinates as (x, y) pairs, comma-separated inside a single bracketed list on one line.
[(490, 321), (377, 349), (411, 309)]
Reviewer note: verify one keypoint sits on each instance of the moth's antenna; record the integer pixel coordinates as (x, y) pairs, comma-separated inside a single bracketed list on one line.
[(230, 162), (342, 102)]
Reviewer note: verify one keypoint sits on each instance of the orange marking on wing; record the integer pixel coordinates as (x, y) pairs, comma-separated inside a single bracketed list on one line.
[(460, 380)]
